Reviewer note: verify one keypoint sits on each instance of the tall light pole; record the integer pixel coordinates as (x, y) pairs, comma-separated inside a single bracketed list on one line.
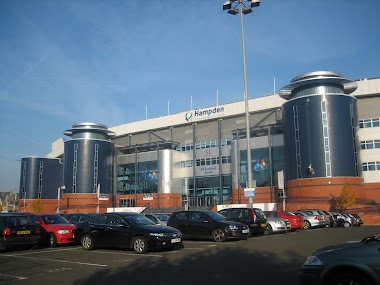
[(244, 9)]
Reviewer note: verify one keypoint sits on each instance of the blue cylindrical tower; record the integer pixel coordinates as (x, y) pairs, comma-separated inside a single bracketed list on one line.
[(320, 121), (89, 159), (40, 177)]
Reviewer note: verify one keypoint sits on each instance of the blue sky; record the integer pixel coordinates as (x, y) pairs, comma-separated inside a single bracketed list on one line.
[(69, 61)]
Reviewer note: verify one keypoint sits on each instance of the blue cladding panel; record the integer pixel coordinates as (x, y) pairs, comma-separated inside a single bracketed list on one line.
[(51, 177), (81, 164), (311, 138)]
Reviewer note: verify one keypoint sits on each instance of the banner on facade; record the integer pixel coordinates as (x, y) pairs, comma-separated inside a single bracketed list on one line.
[(280, 178), (148, 196)]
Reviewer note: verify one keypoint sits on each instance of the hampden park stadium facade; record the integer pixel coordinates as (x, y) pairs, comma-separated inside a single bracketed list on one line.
[(319, 133)]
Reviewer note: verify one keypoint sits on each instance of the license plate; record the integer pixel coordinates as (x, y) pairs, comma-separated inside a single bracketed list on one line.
[(245, 231), (175, 240), (263, 225), (23, 232)]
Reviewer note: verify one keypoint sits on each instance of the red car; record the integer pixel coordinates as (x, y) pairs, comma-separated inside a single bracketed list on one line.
[(296, 222), (56, 230)]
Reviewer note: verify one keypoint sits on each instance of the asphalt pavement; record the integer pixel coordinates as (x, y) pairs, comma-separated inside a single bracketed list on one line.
[(258, 260)]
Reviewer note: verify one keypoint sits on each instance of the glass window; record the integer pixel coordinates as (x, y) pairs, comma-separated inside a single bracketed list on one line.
[(371, 166)]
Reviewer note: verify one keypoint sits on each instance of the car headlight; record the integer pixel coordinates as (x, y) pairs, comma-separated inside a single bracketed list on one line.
[(313, 261), (233, 227), (278, 222), (62, 232), (157, 234)]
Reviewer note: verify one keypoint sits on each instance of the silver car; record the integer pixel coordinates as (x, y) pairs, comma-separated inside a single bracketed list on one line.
[(325, 220), (310, 220), (158, 218), (276, 226)]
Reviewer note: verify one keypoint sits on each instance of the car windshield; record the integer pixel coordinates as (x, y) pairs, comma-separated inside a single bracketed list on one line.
[(162, 217), (138, 220), (215, 216), (54, 219), (288, 213)]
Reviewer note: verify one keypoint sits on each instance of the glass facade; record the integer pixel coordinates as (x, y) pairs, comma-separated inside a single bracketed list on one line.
[(138, 180), (207, 191), (261, 165)]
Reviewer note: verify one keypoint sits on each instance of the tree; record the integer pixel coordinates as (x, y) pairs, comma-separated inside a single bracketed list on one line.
[(347, 198), (36, 206)]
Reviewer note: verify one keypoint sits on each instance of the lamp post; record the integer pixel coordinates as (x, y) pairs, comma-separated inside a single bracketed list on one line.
[(244, 9)]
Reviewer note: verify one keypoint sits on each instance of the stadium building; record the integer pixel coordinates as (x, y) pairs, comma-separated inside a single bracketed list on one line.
[(319, 133)]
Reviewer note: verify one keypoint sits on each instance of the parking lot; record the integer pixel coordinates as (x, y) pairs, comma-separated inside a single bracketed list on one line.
[(259, 260)]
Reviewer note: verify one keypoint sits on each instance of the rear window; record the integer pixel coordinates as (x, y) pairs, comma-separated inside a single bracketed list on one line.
[(288, 213), (182, 216), (16, 221), (259, 213)]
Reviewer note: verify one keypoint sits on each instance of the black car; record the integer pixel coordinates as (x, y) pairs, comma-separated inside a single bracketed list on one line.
[(253, 217), (359, 220), (78, 217), (17, 230), (355, 262), (126, 230), (206, 225)]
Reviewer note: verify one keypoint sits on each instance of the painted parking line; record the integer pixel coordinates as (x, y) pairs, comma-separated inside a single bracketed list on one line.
[(123, 253), (46, 251), (13, 276), (55, 260)]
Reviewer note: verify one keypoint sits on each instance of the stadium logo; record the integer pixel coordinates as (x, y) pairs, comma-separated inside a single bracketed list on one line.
[(189, 117), (203, 113)]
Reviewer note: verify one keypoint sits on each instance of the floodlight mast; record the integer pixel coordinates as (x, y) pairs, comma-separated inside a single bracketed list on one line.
[(244, 9)]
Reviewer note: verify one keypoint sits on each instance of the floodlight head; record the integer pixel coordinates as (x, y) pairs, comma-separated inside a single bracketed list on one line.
[(255, 3), (246, 10), (227, 5), (233, 11)]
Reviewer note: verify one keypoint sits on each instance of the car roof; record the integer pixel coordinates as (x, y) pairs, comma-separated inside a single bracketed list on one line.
[(123, 213), (193, 211)]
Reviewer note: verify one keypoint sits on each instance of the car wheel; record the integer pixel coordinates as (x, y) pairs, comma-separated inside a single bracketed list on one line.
[(52, 240), (346, 224), (218, 235), (348, 278), (307, 225), (268, 230), (140, 245), (88, 242)]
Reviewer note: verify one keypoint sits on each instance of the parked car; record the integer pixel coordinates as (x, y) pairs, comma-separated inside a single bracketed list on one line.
[(75, 218), (359, 219), (16, 230), (127, 230), (330, 216), (310, 220), (277, 226), (325, 220), (253, 217), (349, 221), (158, 218), (340, 220), (347, 263), (207, 225), (296, 222), (56, 230)]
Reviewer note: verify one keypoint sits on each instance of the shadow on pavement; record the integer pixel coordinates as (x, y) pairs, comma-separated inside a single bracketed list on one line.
[(230, 266)]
